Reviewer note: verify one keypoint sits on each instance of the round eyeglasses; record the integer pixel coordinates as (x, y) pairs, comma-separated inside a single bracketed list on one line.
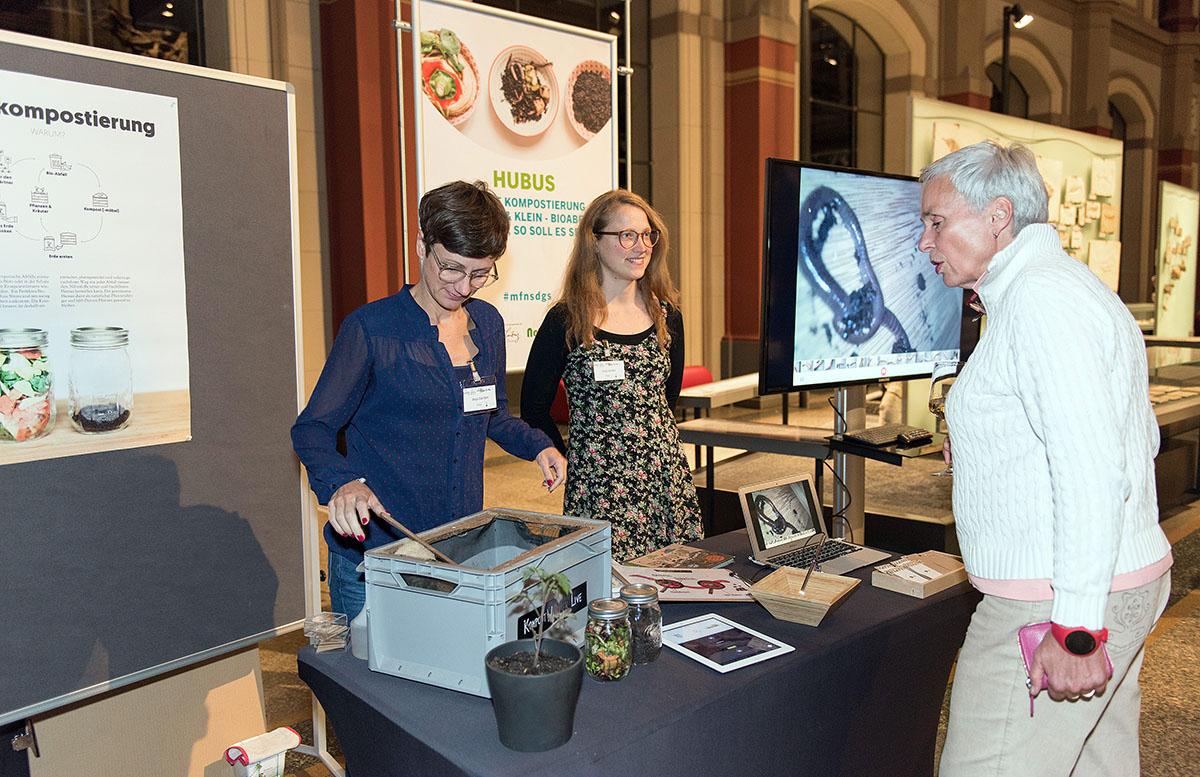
[(629, 237), (452, 273)]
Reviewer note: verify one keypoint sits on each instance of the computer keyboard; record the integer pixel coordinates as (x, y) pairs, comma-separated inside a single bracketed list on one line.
[(803, 558), (888, 434)]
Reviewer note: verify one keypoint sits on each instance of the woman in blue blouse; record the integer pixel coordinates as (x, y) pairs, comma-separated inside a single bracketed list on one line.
[(416, 383)]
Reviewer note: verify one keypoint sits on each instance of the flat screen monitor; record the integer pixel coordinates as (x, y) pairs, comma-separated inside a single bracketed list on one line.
[(847, 296)]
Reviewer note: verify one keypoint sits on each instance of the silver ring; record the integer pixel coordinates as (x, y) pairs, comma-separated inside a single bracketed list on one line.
[(1089, 694)]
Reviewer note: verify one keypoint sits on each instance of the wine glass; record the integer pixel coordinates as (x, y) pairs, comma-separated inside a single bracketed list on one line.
[(940, 382)]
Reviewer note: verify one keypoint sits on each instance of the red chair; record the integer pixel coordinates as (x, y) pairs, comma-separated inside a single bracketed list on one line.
[(695, 375)]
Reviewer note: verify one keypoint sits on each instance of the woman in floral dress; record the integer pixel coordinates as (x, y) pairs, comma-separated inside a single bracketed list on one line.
[(615, 338)]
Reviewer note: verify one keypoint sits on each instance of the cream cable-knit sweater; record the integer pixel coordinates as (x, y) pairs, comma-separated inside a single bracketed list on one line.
[(1054, 437)]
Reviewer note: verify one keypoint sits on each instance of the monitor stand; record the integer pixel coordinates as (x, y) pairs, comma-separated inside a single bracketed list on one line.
[(851, 470)]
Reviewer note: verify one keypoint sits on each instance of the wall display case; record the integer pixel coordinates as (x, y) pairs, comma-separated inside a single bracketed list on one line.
[(1175, 260), (1083, 184)]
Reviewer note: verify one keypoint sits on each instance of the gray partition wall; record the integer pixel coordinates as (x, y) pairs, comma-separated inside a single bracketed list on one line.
[(119, 566)]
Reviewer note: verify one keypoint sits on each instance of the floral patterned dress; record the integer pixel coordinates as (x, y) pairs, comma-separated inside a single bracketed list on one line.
[(624, 463)]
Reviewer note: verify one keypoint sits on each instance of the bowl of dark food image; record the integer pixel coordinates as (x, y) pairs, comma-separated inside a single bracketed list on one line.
[(589, 98), (523, 91)]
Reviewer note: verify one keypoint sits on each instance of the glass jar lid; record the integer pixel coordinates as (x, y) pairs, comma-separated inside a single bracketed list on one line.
[(639, 593), (607, 609), (23, 338), (99, 337)]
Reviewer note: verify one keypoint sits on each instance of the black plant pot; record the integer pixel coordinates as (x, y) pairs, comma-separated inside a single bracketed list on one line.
[(535, 712)]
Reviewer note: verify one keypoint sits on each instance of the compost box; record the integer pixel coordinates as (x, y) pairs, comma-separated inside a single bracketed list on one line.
[(433, 621)]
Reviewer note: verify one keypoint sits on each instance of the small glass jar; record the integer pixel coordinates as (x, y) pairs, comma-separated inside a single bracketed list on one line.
[(26, 385), (101, 379), (645, 621), (609, 648)]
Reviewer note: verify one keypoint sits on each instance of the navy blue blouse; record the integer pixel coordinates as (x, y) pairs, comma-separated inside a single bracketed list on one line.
[(390, 385)]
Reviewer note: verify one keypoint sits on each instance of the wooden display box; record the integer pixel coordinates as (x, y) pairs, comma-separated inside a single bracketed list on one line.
[(780, 593), (920, 574)]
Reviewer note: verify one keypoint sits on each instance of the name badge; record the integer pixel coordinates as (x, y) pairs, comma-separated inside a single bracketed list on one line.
[(479, 398), (609, 370)]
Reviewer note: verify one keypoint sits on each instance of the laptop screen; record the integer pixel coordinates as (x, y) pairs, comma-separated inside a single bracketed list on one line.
[(782, 513)]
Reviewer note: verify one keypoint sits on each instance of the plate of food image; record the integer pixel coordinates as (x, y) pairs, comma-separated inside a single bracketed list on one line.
[(449, 75), (523, 90), (589, 98)]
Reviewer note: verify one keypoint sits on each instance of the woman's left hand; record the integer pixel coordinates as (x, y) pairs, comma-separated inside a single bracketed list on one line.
[(1069, 677), (554, 467)]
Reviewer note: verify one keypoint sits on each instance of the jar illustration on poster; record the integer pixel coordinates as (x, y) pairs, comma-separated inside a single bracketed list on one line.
[(26, 385), (101, 381)]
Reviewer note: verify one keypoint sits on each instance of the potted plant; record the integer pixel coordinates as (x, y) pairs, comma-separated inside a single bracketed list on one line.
[(535, 682)]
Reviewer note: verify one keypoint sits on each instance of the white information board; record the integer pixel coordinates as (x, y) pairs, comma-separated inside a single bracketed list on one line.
[(527, 106), (91, 235)]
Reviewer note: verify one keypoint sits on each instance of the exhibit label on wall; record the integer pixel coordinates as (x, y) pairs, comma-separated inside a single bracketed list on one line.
[(527, 106), (93, 324)]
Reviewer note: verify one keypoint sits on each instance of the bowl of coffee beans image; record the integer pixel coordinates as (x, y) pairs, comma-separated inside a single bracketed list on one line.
[(589, 98)]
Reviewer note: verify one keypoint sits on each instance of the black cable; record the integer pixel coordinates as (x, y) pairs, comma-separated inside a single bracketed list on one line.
[(840, 515), (838, 413)]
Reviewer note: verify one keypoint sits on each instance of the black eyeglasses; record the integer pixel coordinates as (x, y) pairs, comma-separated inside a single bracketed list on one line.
[(452, 273), (629, 237)]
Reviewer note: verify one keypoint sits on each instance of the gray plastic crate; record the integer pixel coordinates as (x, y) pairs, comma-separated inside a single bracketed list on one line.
[(434, 622)]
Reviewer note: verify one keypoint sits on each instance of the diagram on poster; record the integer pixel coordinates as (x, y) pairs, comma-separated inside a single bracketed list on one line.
[(93, 325)]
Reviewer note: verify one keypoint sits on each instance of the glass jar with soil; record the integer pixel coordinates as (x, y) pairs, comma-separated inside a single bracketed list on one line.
[(645, 621), (609, 651), (26, 385), (101, 379)]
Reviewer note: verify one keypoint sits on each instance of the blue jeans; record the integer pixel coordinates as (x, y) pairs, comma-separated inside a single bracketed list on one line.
[(347, 586)]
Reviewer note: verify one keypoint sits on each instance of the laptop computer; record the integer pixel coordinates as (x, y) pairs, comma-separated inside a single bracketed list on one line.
[(784, 519)]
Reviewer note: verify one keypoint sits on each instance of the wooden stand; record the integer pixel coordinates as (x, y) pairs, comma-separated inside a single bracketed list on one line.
[(780, 593)]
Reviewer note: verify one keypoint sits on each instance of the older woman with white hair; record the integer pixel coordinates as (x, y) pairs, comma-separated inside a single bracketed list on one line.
[(1054, 499)]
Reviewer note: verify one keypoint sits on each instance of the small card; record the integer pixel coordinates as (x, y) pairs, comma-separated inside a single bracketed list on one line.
[(479, 399), (608, 370)]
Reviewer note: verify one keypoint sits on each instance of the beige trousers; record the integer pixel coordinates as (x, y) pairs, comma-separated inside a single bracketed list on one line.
[(991, 733)]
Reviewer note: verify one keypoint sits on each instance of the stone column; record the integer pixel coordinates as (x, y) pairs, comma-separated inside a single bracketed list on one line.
[(760, 122), (362, 162), (1180, 115), (962, 78), (688, 174), (1091, 44)]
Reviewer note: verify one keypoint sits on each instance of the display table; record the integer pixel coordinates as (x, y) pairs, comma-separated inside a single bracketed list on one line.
[(860, 695)]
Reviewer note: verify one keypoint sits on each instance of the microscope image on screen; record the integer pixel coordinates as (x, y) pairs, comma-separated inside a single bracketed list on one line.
[(782, 514), (858, 314), (868, 302)]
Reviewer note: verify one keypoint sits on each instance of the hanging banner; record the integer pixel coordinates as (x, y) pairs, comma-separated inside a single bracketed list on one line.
[(528, 107)]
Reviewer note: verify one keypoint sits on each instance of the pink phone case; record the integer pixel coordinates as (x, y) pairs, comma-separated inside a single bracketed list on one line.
[(1029, 638)]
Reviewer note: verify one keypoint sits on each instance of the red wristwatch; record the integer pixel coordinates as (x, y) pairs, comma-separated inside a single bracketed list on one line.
[(1078, 640)]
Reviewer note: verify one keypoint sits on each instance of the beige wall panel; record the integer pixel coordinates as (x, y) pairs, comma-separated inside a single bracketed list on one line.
[(177, 725)]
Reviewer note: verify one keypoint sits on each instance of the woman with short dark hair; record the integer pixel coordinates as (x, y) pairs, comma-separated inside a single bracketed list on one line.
[(416, 382)]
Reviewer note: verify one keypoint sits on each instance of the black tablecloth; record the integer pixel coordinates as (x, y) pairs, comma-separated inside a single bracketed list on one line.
[(860, 695)]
